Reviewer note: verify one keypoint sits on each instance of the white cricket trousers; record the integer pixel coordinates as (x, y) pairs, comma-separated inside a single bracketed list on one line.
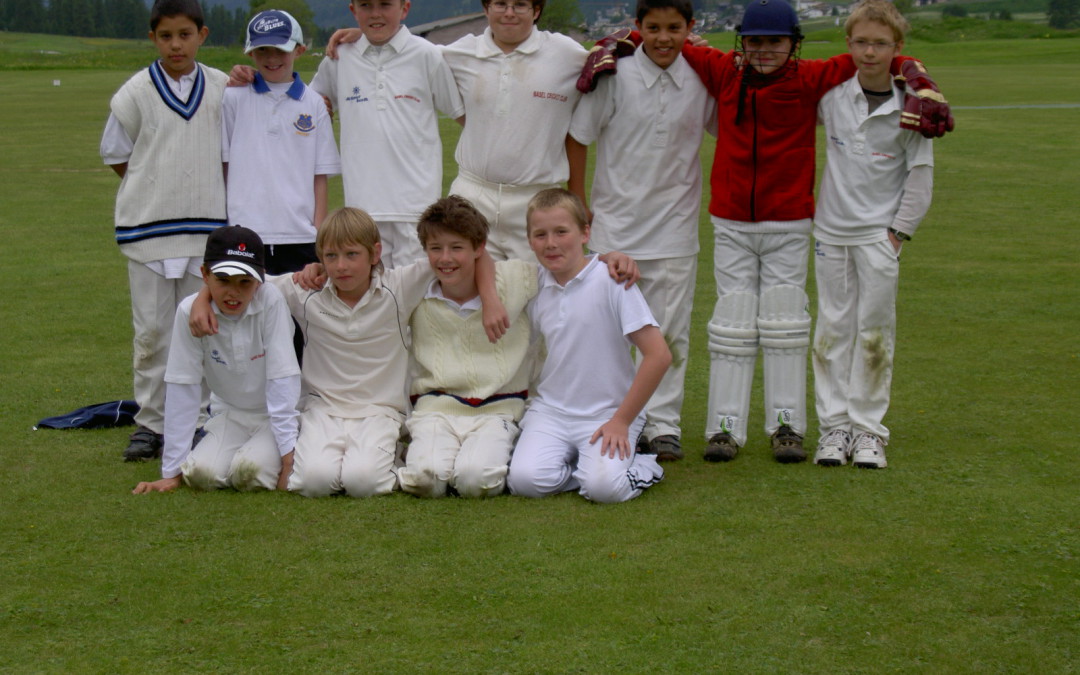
[(752, 264), (238, 451), (855, 335), (153, 309), (668, 287), (400, 243), (357, 456), (554, 455), (505, 207), (469, 453)]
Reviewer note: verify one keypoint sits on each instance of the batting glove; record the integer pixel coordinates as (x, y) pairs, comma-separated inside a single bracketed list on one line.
[(925, 109), (603, 56)]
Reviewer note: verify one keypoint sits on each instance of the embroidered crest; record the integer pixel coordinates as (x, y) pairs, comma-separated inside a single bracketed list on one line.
[(303, 124)]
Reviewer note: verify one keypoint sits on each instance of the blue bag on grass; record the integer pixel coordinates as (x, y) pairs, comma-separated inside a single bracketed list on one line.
[(97, 416)]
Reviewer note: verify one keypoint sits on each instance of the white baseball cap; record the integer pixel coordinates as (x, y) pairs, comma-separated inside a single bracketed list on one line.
[(273, 28)]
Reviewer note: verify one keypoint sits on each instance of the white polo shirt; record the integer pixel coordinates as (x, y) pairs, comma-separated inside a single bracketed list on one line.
[(868, 160), (276, 138), (517, 106), (246, 351), (386, 98), (588, 370), (647, 122), (356, 358)]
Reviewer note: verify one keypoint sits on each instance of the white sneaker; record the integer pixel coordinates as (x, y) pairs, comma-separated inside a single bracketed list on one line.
[(833, 448), (869, 452)]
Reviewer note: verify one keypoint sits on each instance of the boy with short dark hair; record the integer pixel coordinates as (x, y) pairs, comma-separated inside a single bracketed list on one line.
[(875, 190), (277, 143), (647, 122), (163, 138), (468, 393), (250, 368)]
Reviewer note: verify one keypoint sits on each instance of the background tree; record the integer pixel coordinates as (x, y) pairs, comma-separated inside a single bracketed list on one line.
[(563, 16), (1063, 13)]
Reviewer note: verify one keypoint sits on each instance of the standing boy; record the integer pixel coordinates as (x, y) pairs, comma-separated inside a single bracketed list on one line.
[(277, 142), (518, 87), (647, 122), (250, 368), (163, 138), (387, 88), (875, 191)]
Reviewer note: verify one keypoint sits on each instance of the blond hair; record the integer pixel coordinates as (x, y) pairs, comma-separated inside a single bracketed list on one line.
[(557, 198), (347, 227), (880, 11)]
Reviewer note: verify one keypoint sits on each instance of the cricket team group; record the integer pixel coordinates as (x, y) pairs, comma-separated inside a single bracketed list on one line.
[(517, 335)]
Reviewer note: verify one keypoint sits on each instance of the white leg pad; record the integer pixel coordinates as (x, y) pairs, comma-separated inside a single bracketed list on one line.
[(733, 345), (784, 330)]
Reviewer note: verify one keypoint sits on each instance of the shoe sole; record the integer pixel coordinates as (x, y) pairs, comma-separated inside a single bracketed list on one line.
[(668, 457), (828, 462), (717, 457), (868, 465)]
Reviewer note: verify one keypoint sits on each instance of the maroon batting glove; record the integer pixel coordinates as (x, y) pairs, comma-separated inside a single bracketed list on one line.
[(925, 109), (604, 55)]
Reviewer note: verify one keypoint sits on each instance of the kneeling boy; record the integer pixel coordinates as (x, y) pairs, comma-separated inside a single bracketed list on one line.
[(250, 368), (469, 393)]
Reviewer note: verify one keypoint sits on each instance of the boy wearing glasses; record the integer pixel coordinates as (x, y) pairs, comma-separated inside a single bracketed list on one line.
[(875, 190), (518, 86)]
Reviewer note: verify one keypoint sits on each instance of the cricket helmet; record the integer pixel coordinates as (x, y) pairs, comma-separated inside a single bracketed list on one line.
[(770, 17)]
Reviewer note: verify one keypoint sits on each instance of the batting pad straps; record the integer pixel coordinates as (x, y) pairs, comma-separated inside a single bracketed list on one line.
[(784, 322), (733, 329)]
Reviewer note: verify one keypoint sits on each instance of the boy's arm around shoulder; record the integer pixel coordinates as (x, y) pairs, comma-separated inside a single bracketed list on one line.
[(495, 318)]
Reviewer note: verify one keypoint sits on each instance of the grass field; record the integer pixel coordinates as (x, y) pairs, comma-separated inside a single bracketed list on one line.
[(961, 557)]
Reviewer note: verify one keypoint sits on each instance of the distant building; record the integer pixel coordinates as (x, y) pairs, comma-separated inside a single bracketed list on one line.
[(446, 31)]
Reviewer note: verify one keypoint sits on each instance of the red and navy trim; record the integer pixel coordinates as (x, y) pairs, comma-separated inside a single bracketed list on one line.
[(473, 402)]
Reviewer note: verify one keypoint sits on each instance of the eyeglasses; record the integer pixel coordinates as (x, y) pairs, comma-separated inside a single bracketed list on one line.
[(863, 45), (520, 7)]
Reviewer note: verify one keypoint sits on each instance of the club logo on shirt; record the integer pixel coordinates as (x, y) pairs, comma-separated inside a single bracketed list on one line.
[(357, 97), (554, 96), (216, 356), (303, 124)]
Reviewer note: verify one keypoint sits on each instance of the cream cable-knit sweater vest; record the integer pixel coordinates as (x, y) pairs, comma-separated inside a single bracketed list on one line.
[(456, 358), (173, 194)]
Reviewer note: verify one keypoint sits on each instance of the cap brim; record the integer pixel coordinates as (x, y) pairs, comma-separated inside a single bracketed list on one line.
[(232, 268), (285, 47)]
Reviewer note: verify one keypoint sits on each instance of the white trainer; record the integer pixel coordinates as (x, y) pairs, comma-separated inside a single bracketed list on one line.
[(869, 452), (833, 448)]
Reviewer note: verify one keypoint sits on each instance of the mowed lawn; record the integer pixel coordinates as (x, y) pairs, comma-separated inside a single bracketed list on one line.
[(962, 556)]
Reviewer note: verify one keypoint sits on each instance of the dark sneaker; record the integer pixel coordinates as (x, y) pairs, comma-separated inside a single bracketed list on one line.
[(143, 445), (721, 448), (667, 448), (787, 446), (643, 446)]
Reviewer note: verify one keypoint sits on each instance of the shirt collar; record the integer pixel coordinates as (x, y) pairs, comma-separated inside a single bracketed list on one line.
[(295, 90), (548, 278), (396, 43), (486, 47), (435, 292), (651, 73)]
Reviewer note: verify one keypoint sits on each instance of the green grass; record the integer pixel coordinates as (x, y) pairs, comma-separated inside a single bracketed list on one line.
[(961, 557)]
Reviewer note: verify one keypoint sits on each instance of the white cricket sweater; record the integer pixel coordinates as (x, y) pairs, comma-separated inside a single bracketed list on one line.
[(173, 193)]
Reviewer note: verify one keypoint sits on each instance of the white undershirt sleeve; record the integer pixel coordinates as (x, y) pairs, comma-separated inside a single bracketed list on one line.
[(181, 416), (918, 191), (282, 396), (116, 145)]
